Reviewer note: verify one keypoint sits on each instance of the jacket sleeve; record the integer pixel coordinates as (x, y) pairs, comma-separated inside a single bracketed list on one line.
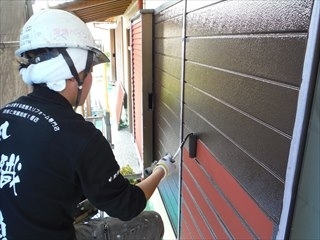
[(102, 183)]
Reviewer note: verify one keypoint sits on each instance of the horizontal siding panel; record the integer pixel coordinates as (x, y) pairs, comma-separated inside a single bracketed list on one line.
[(229, 217), (170, 46), (167, 69), (166, 140), (166, 137), (199, 4), (170, 100), (168, 65), (243, 70), (260, 184), (263, 144), (247, 208), (169, 28), (187, 216), (167, 120), (168, 127), (169, 82), (250, 16), (217, 227), (193, 207), (185, 233), (264, 100), (270, 57), (167, 99), (169, 192), (172, 11)]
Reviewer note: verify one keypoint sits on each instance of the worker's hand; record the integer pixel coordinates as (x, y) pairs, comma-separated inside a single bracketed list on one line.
[(167, 164)]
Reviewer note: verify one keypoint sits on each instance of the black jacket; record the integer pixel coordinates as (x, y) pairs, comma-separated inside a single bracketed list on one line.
[(50, 158)]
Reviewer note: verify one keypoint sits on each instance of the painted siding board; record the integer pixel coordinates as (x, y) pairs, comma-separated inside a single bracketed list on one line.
[(169, 192), (199, 4), (170, 28), (248, 211), (167, 69), (169, 82), (168, 98), (230, 218), (247, 17), (264, 188), (190, 222), (265, 56), (171, 12), (185, 234), (255, 138), (168, 131), (207, 210), (169, 46), (243, 66), (166, 139), (198, 219), (247, 208), (168, 65), (257, 97)]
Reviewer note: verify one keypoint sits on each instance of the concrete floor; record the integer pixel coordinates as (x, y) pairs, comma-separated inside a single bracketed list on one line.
[(126, 153), (124, 149)]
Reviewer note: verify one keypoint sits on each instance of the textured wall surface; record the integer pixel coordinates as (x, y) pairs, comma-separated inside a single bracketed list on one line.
[(167, 89), (241, 75)]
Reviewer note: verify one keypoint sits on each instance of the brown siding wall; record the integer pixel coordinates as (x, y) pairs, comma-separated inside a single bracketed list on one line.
[(216, 204), (242, 72)]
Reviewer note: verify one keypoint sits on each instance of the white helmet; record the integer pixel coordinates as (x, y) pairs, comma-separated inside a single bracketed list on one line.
[(54, 28)]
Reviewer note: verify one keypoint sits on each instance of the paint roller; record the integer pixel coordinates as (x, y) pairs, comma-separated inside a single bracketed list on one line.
[(192, 151)]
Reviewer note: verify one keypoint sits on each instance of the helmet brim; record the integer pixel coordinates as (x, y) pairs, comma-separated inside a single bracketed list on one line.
[(100, 57)]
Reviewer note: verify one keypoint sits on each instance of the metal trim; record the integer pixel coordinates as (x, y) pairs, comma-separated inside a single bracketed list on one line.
[(182, 77), (310, 68)]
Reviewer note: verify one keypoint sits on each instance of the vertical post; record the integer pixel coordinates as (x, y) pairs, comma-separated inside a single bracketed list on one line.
[(298, 141)]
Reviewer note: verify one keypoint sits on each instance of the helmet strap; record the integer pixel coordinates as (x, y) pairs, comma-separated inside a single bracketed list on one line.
[(74, 72)]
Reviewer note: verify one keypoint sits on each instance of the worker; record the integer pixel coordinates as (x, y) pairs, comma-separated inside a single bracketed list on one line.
[(52, 158)]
